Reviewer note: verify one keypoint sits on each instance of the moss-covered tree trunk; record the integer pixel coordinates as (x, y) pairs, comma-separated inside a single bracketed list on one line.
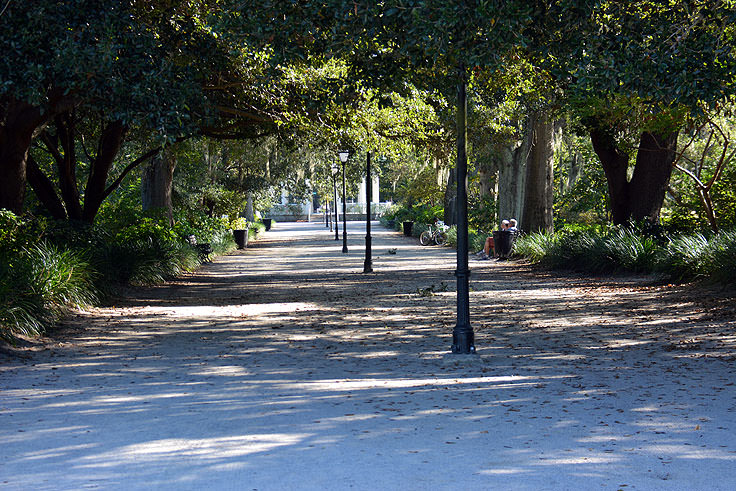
[(157, 184), (539, 184)]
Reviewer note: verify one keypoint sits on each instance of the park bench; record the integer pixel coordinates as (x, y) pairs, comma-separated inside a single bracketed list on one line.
[(204, 250), (503, 243)]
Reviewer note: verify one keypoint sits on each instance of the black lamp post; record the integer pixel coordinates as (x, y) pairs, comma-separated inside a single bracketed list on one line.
[(343, 159), (463, 338), (334, 191), (329, 215), (368, 264)]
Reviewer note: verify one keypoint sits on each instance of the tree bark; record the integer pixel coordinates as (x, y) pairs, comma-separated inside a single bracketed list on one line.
[(615, 165), (648, 186), (62, 147), (44, 189), (539, 183), (511, 159), (18, 124), (67, 164), (643, 196), (109, 146), (249, 213), (157, 185)]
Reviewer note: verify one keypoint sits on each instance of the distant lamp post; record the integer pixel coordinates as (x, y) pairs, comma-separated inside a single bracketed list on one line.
[(326, 207), (335, 168), (343, 159), (368, 263)]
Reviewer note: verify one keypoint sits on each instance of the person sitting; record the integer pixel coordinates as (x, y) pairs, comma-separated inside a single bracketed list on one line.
[(488, 248), (512, 225)]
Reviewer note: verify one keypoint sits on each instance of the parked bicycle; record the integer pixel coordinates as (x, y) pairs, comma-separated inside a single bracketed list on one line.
[(436, 235)]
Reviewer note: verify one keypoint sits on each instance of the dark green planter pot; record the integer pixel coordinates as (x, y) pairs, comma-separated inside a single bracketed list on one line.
[(267, 223), (408, 226)]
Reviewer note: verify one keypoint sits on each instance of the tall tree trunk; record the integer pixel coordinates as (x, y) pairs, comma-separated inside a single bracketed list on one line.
[(573, 173), (643, 196), (648, 186), (18, 123), (67, 164), (511, 161), (109, 146), (157, 184), (62, 146), (615, 165), (44, 189), (539, 184), (249, 212)]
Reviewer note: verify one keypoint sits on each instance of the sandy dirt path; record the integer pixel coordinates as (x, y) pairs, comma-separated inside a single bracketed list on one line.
[(283, 366)]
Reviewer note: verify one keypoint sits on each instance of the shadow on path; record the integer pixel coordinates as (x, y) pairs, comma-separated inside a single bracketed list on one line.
[(285, 367)]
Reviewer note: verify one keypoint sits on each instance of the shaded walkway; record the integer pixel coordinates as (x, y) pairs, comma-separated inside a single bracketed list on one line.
[(284, 367)]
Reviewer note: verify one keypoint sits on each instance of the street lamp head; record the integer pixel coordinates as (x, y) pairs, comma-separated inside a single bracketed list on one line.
[(344, 156)]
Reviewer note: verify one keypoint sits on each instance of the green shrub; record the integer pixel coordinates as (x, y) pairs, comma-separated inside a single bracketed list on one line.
[(203, 227), (144, 262), (476, 240), (40, 283), (590, 250), (721, 259), (535, 246), (423, 214), (682, 258), (626, 250)]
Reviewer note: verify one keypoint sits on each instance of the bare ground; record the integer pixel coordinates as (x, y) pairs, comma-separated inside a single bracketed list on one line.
[(266, 366)]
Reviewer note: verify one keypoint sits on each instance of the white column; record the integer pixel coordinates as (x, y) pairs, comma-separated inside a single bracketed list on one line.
[(361, 194)]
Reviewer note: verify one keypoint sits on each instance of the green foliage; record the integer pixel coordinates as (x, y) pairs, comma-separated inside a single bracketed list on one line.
[(135, 65), (143, 262), (722, 258), (39, 284), (699, 256), (46, 268), (16, 233), (239, 223), (581, 192), (682, 259), (422, 214), (476, 239), (148, 228), (535, 246), (482, 213), (679, 258)]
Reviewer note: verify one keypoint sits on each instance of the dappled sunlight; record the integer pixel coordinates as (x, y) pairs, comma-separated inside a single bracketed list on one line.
[(202, 448), (268, 363)]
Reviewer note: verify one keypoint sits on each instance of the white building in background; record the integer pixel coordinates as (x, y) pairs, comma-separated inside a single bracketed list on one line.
[(305, 210)]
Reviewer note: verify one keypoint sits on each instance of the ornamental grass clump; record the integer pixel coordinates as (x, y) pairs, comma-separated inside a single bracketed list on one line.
[(573, 250), (145, 261), (534, 246), (721, 258), (38, 285), (625, 250), (589, 250), (682, 258), (63, 278)]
